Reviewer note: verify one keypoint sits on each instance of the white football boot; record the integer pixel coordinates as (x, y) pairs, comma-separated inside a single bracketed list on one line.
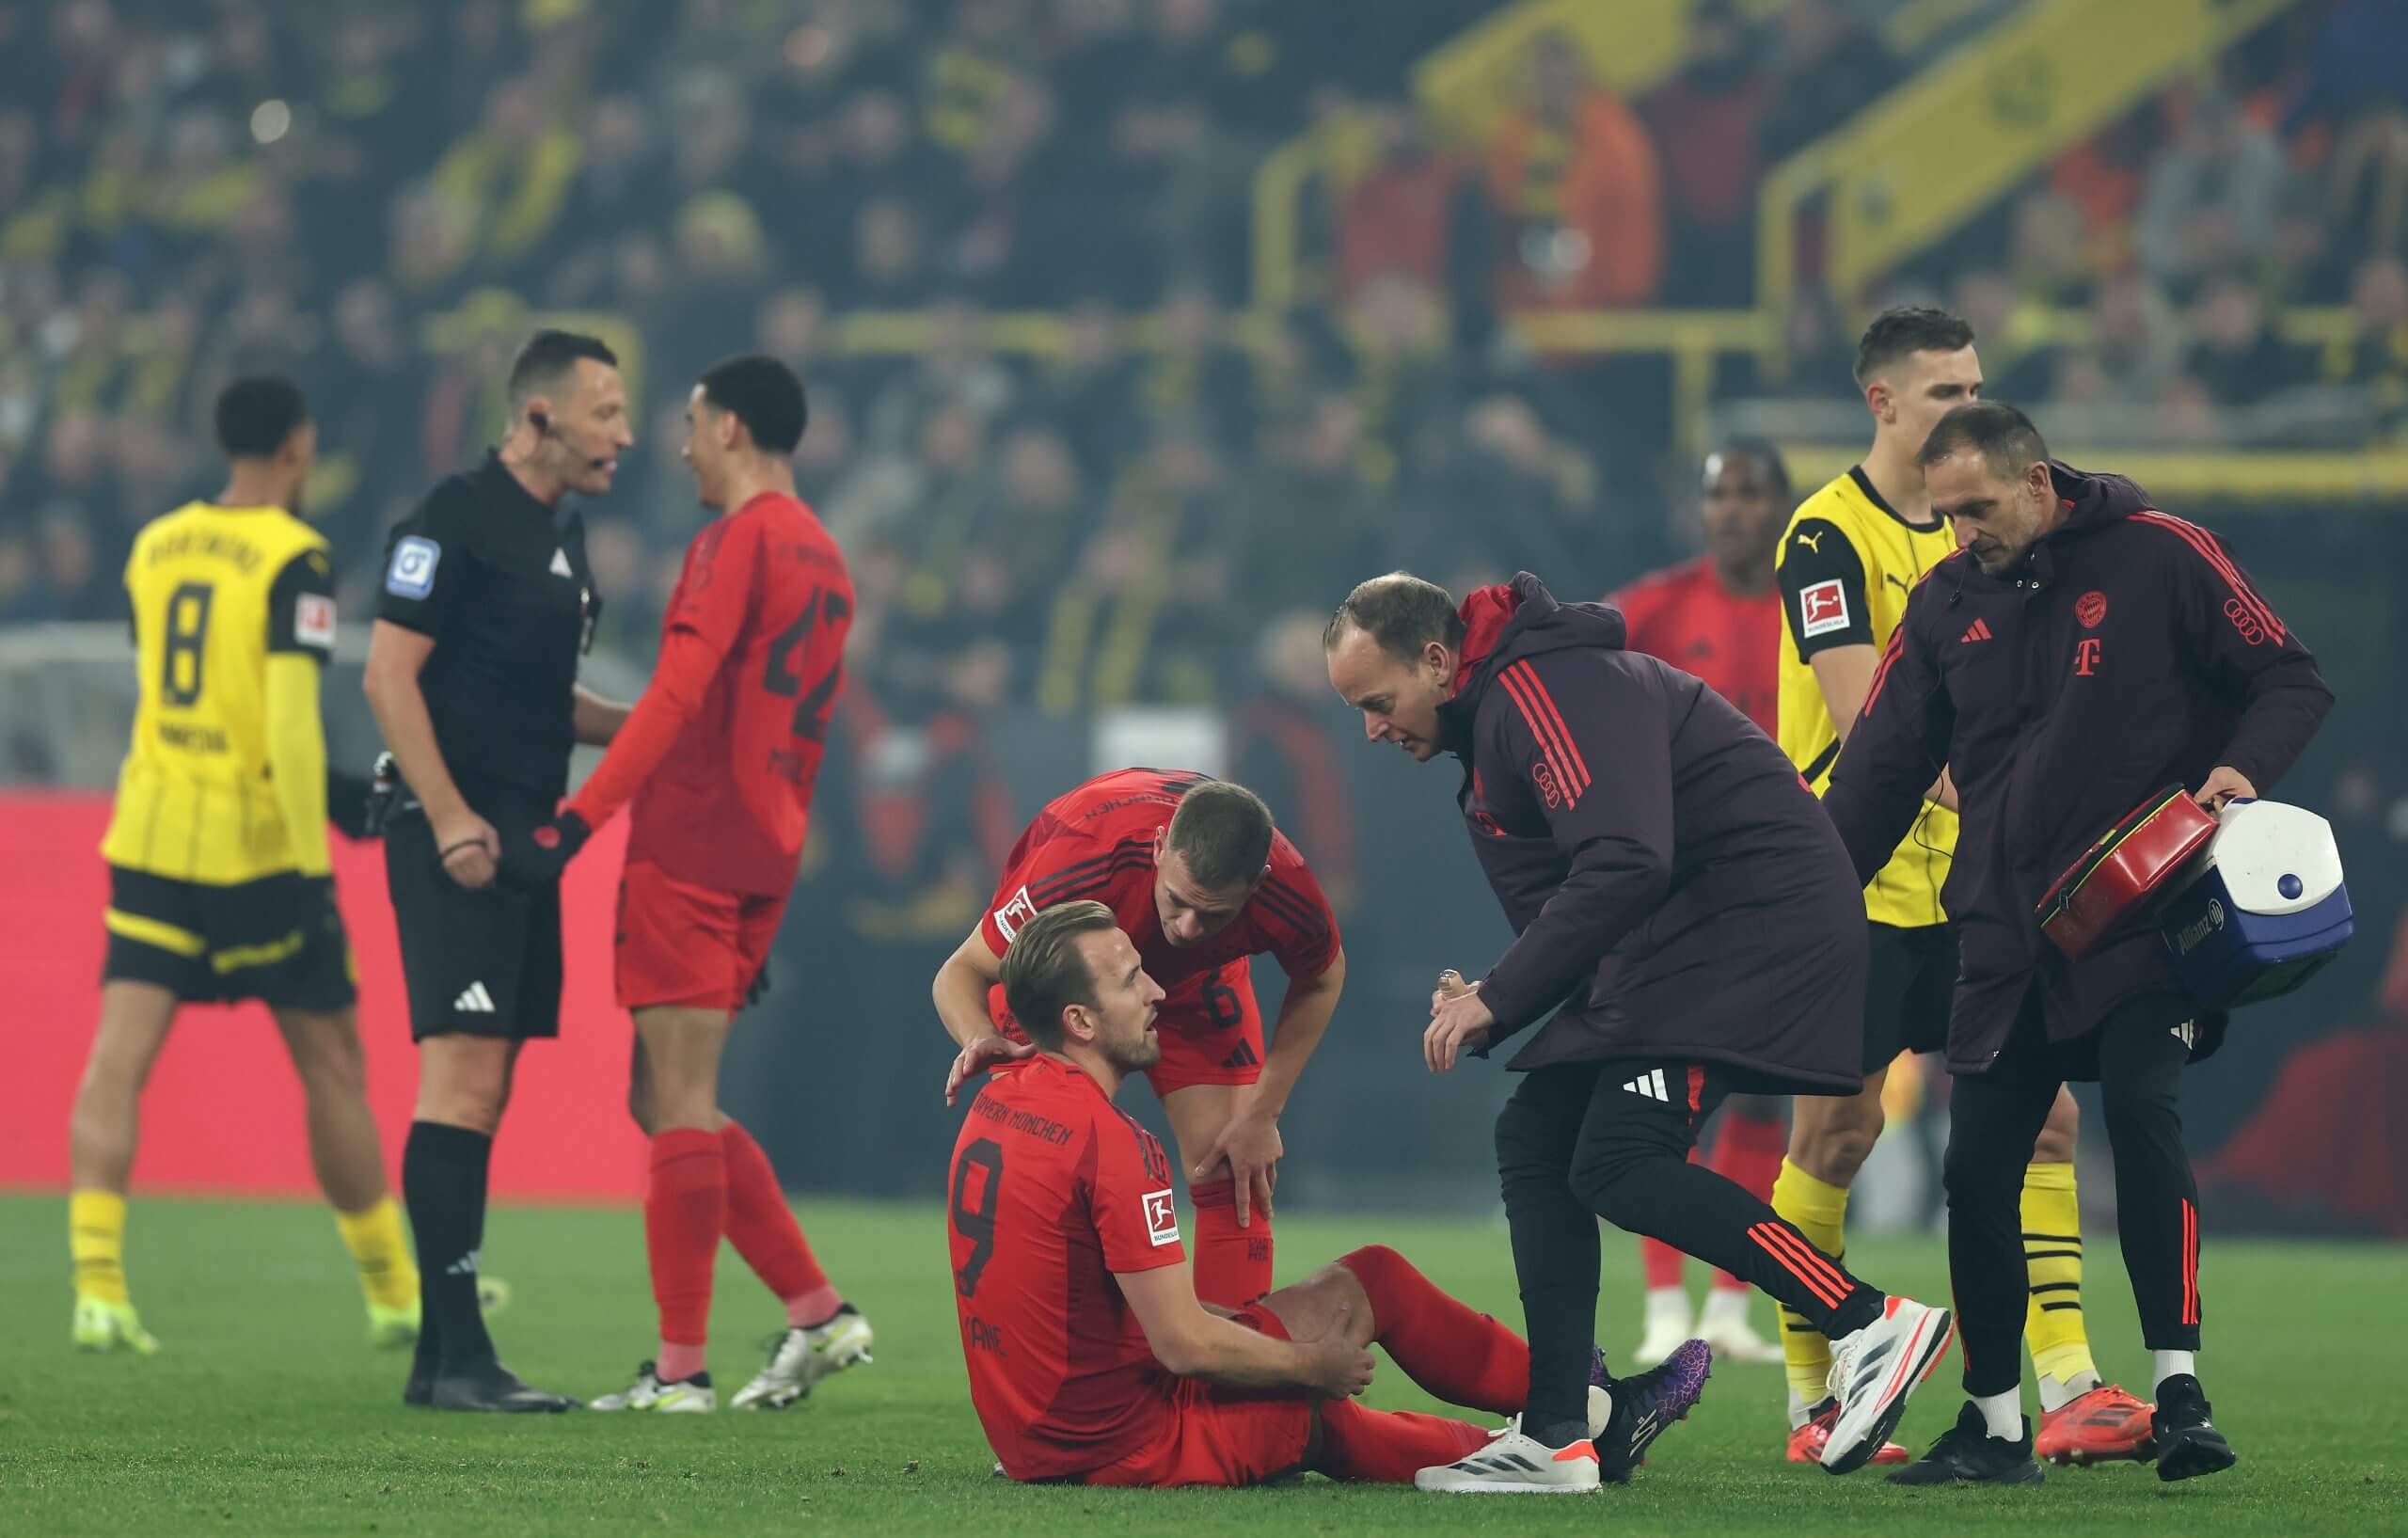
[(688, 1396), (1874, 1371), (800, 1359)]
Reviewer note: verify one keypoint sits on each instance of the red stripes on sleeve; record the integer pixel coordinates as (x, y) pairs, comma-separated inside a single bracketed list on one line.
[(1556, 747), (2205, 543)]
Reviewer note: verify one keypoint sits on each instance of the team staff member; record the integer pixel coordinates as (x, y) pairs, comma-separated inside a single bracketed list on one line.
[(221, 886), (472, 674), (1057, 1194), (1203, 882), (2082, 651), (720, 757), (1640, 835), (1716, 616), (1847, 561)]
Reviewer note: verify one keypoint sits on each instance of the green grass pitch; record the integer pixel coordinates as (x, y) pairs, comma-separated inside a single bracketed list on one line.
[(266, 1413)]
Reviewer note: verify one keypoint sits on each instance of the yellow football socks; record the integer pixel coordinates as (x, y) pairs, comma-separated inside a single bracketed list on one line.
[(374, 1236), (2052, 1253), (1819, 1210), (96, 1240)]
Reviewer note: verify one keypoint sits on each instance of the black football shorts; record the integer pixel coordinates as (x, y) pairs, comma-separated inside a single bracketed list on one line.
[(483, 962), (1907, 992), (278, 939)]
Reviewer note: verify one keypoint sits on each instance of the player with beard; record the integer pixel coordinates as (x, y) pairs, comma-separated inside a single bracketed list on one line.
[(1054, 1194), (1203, 882)]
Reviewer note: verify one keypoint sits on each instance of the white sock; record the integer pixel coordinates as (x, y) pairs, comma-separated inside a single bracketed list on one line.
[(2002, 1414), (1799, 1411), (1667, 1303), (2170, 1363), (1724, 1306), (2056, 1394)]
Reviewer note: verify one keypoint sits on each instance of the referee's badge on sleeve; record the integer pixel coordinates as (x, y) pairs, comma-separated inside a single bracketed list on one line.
[(313, 621), (412, 573)]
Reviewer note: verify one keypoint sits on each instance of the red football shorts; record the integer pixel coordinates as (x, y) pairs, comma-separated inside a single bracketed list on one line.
[(683, 943), (1210, 1025), (1214, 1434)]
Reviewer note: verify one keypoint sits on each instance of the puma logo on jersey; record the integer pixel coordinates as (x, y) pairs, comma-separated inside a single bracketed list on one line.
[(1813, 542)]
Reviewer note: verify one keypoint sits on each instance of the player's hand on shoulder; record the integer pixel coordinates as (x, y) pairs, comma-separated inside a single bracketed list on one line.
[(468, 847), (541, 856), (1459, 1021), (985, 1053), (1335, 1365)]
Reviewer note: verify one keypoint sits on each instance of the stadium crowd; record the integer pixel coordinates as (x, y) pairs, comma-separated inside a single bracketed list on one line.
[(372, 197)]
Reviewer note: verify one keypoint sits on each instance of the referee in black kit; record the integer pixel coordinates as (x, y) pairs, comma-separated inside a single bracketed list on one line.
[(487, 603)]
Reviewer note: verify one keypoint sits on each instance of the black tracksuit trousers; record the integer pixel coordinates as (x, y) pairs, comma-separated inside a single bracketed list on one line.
[(1580, 1141), (2137, 1055)]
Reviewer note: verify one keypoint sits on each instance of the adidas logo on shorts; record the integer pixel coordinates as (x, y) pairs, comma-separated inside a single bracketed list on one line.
[(473, 1000)]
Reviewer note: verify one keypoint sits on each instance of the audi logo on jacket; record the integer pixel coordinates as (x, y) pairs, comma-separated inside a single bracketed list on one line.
[(2126, 651)]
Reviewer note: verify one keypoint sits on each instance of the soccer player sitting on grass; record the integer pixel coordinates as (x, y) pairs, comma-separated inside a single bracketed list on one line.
[(1055, 1195)]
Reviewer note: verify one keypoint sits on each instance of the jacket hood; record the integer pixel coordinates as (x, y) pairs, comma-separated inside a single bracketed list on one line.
[(2093, 499), (1507, 622)]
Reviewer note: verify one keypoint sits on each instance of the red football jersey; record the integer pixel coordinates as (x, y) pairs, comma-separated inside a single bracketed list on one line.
[(1098, 842), (1683, 616), (766, 590), (1052, 1190)]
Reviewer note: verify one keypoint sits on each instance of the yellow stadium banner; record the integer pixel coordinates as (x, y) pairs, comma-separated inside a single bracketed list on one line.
[(1959, 136)]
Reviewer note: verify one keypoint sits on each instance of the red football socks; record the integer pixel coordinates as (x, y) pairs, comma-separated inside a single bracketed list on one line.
[(762, 1230), (1748, 1153), (1232, 1264), (1450, 1348), (685, 1207), (1390, 1446)]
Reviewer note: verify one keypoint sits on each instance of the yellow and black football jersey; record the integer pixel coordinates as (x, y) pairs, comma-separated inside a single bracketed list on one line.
[(1847, 563), (213, 591)]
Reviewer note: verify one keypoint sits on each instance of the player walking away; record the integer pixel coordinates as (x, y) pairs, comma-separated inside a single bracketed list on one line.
[(1847, 561), (2082, 653), (486, 605), (1639, 835), (1718, 617), (720, 757), (1199, 877), (1056, 1194), (220, 883)]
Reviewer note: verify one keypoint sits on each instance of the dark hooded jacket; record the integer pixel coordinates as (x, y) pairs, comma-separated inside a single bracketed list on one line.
[(2126, 652), (1673, 883)]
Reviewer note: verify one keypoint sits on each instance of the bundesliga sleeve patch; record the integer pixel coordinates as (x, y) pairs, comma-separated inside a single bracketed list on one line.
[(1162, 1220), (412, 573), (313, 621), (1822, 608), (1011, 916)]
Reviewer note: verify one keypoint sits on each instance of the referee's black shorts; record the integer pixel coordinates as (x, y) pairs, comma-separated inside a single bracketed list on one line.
[(485, 963), (278, 940), (1907, 992)]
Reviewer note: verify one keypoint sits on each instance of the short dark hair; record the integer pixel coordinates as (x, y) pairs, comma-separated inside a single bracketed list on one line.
[(255, 414), (1764, 452), (2004, 436), (1224, 834), (1905, 329), (763, 394), (1399, 611), (548, 355), (1045, 973)]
